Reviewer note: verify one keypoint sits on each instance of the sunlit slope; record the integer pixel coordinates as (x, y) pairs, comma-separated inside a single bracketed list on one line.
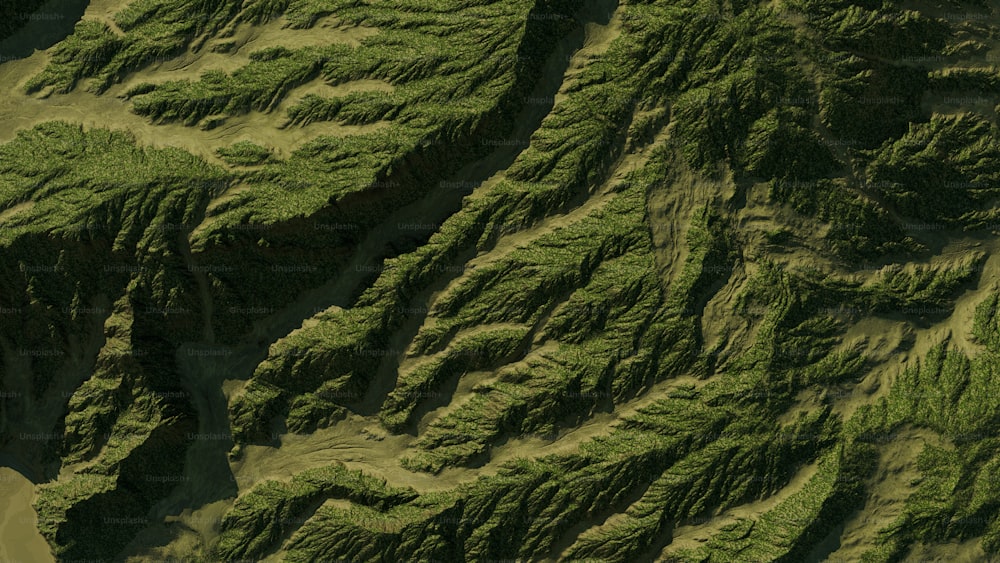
[(468, 280)]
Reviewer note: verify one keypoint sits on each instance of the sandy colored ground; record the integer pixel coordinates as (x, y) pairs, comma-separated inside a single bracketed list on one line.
[(19, 208), (890, 485), (21, 111), (20, 541), (359, 442), (693, 536), (598, 36)]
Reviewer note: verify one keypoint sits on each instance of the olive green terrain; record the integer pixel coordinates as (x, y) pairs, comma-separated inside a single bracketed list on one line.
[(687, 280)]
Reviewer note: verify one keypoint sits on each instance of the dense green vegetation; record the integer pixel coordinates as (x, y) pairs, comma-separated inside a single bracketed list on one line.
[(951, 395), (152, 30), (535, 392), (945, 170), (245, 153), (281, 506), (636, 324), (108, 213)]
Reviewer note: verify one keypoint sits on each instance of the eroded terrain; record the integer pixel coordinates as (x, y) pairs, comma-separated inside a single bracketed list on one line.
[(309, 280)]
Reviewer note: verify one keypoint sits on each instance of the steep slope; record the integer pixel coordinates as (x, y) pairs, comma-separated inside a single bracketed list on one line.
[(696, 280)]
